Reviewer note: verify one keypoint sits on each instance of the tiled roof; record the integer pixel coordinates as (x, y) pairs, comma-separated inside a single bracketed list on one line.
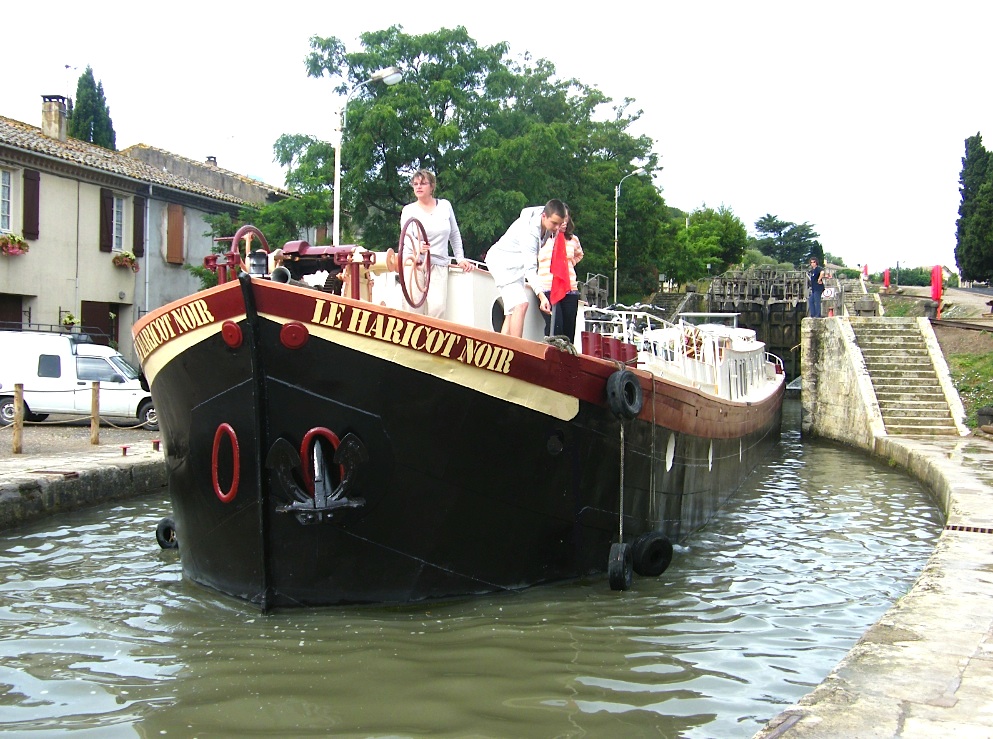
[(194, 163), (30, 138)]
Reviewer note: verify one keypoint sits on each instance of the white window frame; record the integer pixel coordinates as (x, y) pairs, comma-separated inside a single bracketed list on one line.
[(6, 200), (118, 243)]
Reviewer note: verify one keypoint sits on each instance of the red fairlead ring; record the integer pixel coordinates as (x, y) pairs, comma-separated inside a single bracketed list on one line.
[(305, 463), (226, 430)]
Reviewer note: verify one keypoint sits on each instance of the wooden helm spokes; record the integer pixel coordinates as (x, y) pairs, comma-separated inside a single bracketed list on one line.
[(414, 267)]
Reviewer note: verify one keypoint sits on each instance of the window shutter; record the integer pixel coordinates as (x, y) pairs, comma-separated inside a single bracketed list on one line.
[(174, 234), (106, 219), (32, 202), (138, 241)]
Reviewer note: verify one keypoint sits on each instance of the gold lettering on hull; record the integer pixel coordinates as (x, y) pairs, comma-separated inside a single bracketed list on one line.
[(168, 326), (350, 319), (411, 335)]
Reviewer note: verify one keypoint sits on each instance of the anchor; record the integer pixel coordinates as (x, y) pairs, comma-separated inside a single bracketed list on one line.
[(283, 459)]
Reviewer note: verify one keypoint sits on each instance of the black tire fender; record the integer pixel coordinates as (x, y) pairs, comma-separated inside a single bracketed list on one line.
[(651, 554), (165, 534), (619, 567), (624, 394)]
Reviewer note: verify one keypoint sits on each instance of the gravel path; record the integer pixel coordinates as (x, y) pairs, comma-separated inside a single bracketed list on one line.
[(68, 435)]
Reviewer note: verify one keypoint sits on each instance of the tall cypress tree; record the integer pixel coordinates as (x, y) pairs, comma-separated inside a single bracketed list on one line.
[(90, 119), (974, 229)]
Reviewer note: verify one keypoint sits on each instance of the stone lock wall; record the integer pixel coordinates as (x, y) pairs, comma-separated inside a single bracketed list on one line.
[(837, 398)]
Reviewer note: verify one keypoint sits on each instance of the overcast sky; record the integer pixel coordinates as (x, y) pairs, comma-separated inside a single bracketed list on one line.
[(850, 116)]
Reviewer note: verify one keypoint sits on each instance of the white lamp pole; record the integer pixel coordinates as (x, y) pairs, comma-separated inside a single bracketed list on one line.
[(617, 196), (388, 76)]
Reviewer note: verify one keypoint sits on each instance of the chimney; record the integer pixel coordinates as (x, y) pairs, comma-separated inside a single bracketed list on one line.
[(212, 161), (53, 116)]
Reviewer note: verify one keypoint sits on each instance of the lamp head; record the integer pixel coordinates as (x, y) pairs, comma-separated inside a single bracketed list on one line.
[(389, 76)]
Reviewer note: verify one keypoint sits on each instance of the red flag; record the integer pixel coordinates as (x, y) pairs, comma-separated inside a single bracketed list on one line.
[(937, 278), (559, 269)]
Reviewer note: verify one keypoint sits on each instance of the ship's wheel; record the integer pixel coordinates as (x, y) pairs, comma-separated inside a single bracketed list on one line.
[(414, 267)]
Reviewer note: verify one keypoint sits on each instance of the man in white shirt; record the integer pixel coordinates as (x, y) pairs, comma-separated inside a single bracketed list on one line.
[(513, 261)]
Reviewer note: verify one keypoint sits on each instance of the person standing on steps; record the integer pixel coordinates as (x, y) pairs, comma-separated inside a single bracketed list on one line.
[(815, 279)]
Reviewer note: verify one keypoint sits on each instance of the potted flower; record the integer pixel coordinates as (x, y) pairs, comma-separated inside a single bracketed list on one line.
[(69, 320), (126, 259), (12, 245)]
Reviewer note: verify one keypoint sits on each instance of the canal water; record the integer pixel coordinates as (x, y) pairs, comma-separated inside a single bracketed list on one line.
[(100, 636)]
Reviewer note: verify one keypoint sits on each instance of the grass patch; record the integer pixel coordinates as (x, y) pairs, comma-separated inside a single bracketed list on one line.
[(898, 306), (899, 309), (973, 377)]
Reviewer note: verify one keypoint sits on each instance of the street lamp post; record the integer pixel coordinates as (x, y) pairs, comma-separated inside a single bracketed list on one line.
[(388, 76), (617, 196)]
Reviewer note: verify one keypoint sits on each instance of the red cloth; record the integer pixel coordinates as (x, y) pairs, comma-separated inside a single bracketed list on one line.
[(937, 277), (559, 269)]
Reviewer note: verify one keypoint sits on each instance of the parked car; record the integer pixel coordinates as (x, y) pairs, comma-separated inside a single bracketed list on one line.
[(57, 371)]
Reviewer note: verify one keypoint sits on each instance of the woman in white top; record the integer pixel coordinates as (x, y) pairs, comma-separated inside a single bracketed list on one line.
[(438, 219)]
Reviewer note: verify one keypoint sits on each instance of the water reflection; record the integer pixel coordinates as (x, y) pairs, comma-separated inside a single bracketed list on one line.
[(99, 634)]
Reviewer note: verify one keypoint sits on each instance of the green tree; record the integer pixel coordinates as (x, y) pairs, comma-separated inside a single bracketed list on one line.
[(771, 230), (732, 236), (787, 242), (755, 258), (500, 135), (695, 248), (974, 228), (90, 118), (707, 241)]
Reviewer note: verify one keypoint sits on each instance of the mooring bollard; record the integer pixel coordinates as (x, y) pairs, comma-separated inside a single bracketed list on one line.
[(18, 437), (95, 412)]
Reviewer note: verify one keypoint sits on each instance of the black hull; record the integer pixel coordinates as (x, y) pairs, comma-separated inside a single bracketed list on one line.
[(461, 492)]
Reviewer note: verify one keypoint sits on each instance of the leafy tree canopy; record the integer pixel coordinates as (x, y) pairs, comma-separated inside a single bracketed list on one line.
[(707, 241), (732, 237), (755, 258), (90, 117), (787, 242), (500, 135)]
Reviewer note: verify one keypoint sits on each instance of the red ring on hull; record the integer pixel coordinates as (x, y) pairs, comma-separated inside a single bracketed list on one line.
[(226, 430)]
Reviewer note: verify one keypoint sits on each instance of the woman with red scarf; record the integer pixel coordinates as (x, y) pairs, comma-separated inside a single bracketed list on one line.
[(564, 302)]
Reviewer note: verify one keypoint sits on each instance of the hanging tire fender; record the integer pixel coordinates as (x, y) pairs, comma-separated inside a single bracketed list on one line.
[(619, 566), (651, 554), (165, 534), (624, 395)]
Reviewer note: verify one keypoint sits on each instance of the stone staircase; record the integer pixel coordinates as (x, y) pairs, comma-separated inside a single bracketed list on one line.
[(903, 376), (670, 303), (857, 301)]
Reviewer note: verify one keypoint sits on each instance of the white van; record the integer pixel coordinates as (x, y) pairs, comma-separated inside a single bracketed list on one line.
[(57, 371)]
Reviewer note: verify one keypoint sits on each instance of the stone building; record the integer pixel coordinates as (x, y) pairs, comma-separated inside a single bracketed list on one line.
[(84, 211)]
